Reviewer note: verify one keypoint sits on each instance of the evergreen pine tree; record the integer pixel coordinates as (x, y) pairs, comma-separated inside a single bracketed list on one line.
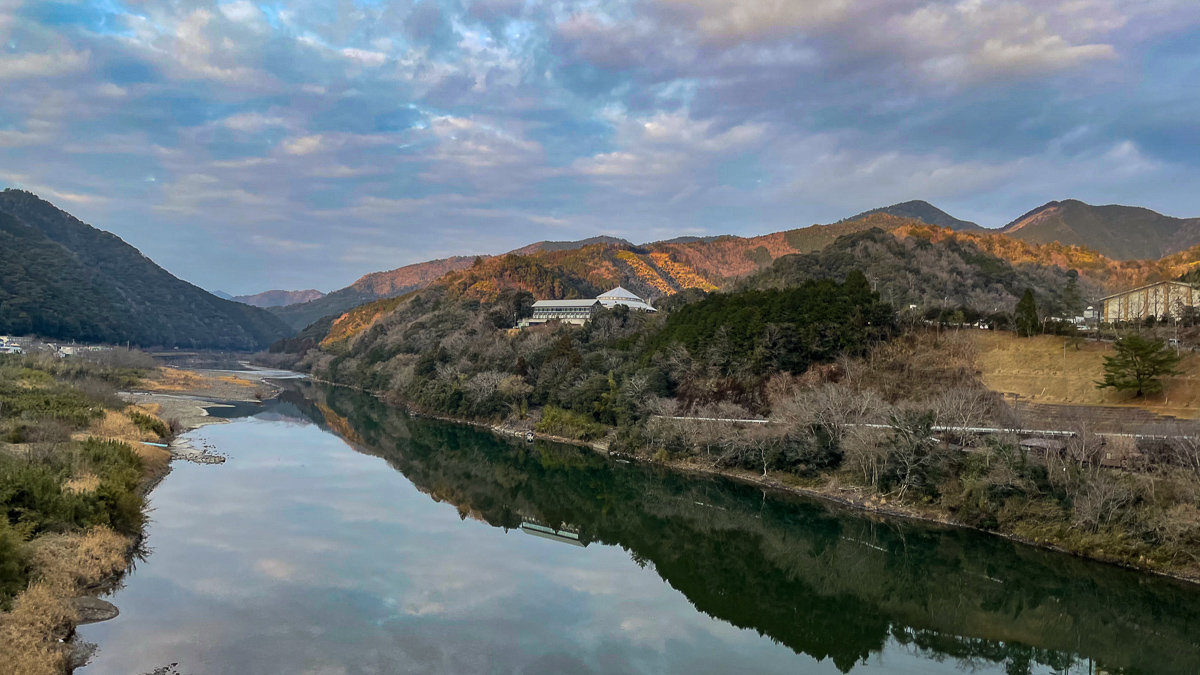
[(1027, 315), (1137, 366)]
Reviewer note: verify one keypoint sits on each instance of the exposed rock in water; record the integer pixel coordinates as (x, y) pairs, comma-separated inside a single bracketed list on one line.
[(94, 610)]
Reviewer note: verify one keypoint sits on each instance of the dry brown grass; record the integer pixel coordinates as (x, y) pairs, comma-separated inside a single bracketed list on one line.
[(1038, 370), (234, 379), (155, 461), (69, 562), (153, 409), (177, 380), (65, 565), (115, 426), (82, 484), (29, 633), (174, 379)]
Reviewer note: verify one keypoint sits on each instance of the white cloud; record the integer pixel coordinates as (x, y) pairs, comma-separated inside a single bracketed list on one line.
[(244, 12), (364, 56), (304, 145), (22, 66), (12, 139), (739, 19), (482, 153), (668, 144), (252, 122), (978, 39)]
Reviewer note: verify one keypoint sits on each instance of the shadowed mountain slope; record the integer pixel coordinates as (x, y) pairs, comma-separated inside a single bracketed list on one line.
[(63, 279), (1118, 232)]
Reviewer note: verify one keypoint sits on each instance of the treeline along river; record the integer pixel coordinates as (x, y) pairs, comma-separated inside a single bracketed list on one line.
[(343, 536)]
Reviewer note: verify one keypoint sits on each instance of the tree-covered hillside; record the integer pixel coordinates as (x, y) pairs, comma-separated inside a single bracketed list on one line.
[(63, 279), (915, 268), (1119, 232)]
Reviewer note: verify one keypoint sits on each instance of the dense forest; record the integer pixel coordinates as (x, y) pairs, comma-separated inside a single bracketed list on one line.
[(949, 274), (65, 280)]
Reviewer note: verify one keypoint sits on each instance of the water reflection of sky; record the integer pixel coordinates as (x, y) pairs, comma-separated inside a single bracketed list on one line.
[(302, 556)]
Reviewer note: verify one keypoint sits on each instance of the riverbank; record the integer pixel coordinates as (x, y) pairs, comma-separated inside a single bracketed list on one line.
[(91, 441), (1053, 536)]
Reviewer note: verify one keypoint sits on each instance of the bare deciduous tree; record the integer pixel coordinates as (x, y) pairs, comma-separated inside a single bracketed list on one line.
[(834, 407), (1099, 499), (964, 407), (866, 452)]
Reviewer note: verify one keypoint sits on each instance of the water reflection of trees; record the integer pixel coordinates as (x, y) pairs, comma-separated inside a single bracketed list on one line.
[(820, 581)]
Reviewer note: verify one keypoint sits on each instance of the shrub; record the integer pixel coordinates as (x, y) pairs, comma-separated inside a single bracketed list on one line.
[(559, 422), (34, 500), (13, 568), (148, 423)]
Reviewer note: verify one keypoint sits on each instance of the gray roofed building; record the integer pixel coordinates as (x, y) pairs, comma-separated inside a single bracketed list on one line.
[(575, 312)]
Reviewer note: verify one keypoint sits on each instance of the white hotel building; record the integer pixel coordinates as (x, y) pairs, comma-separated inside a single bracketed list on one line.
[(577, 312)]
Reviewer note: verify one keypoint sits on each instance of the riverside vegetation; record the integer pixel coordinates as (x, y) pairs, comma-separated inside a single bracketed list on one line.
[(853, 391), (72, 481)]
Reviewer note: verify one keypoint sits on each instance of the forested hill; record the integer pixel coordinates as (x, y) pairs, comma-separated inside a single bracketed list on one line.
[(924, 212), (63, 279), (915, 267), (1119, 232)]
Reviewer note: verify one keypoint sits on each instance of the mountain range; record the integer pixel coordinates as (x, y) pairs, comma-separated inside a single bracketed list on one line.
[(576, 269), (651, 270), (63, 279)]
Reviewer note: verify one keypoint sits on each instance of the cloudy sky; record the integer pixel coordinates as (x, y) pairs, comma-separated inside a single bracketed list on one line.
[(261, 144)]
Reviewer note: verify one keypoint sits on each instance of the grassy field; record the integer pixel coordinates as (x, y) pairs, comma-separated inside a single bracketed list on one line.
[(1040, 370)]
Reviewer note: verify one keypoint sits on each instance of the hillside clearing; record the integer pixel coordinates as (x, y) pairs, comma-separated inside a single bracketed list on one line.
[(1040, 370)]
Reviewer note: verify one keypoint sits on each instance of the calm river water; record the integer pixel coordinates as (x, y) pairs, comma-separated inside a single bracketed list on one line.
[(343, 537)]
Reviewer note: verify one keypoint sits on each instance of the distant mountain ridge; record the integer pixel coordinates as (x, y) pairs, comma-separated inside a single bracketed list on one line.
[(546, 246), (64, 279), (1118, 232), (278, 298), (924, 212), (370, 287), (599, 263), (707, 263)]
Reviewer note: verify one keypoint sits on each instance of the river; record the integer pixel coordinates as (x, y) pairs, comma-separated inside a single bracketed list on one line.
[(343, 537)]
